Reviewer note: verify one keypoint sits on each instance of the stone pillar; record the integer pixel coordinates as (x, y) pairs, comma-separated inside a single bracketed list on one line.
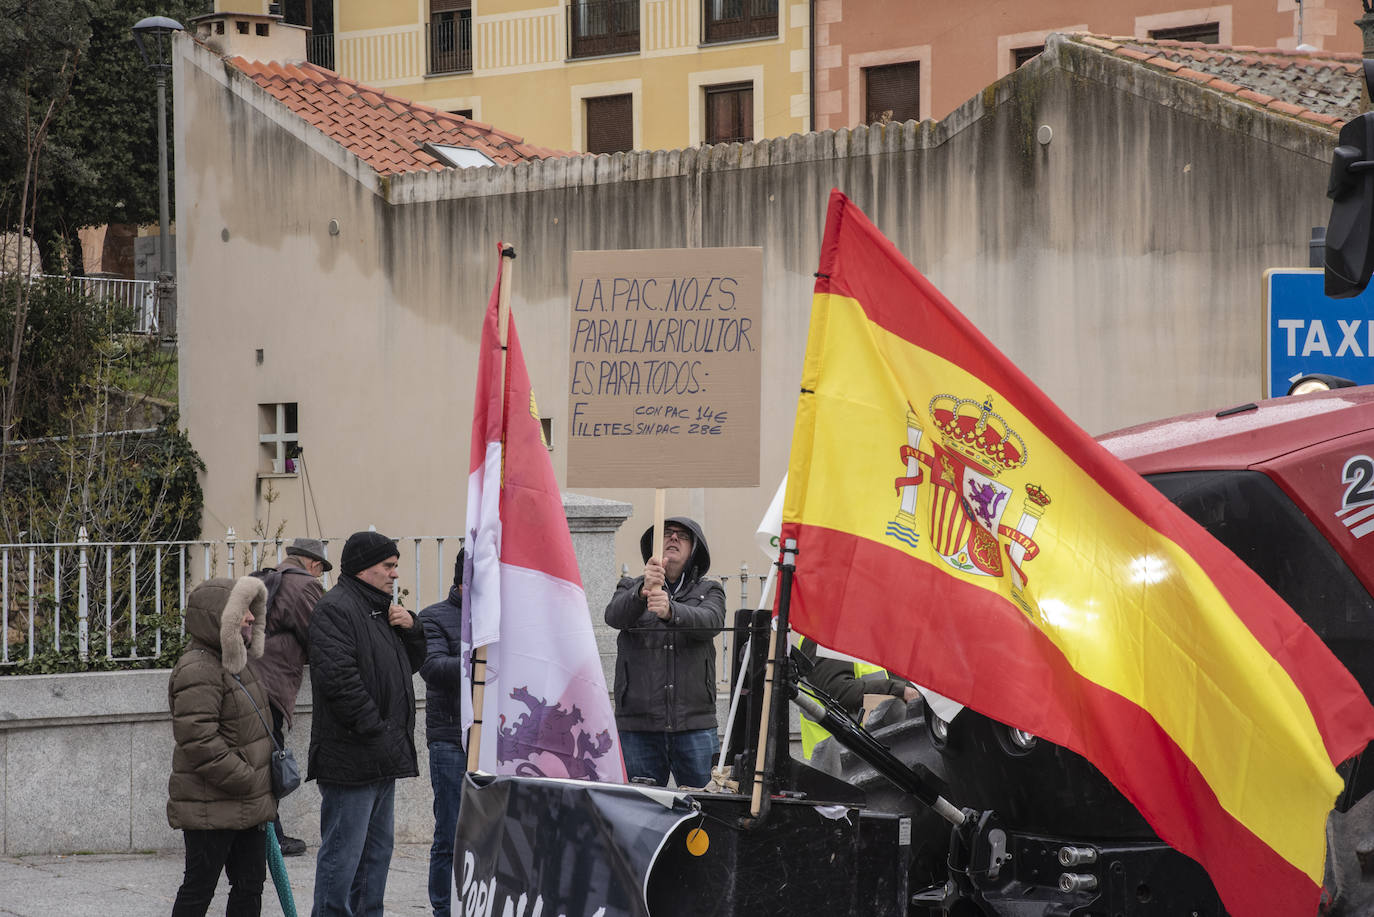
[(1366, 24), (593, 523)]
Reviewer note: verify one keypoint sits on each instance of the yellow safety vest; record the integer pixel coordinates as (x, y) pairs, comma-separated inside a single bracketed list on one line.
[(812, 732)]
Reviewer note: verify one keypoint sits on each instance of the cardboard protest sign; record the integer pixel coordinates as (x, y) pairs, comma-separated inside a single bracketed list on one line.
[(665, 357)]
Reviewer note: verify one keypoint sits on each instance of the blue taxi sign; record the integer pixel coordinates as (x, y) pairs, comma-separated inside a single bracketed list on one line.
[(1308, 332)]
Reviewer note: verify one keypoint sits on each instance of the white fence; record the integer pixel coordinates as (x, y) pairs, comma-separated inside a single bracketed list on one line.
[(116, 600), (139, 296)]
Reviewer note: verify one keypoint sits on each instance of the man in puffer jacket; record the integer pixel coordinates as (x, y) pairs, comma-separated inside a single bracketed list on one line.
[(665, 666), (363, 651), (448, 763), (220, 791)]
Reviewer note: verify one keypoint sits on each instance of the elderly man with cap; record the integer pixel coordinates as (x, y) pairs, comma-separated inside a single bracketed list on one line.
[(293, 588), (363, 651)]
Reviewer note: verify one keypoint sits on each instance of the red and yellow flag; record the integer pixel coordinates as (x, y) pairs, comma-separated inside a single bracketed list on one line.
[(958, 528)]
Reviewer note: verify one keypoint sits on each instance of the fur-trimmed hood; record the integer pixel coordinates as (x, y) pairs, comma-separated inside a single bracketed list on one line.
[(215, 611)]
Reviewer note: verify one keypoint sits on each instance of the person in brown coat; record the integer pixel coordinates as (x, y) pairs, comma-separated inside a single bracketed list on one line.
[(293, 589), (220, 791)]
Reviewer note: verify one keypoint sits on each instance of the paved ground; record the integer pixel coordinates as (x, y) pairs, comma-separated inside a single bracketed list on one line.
[(144, 885)]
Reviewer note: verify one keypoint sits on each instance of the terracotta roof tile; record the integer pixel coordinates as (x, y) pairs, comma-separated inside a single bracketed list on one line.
[(1188, 73), (1221, 85), (1165, 63), (1258, 98), (1287, 108), (1322, 87), (383, 130)]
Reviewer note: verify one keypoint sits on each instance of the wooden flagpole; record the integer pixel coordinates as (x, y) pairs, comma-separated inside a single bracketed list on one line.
[(772, 691), (659, 495), (479, 655)]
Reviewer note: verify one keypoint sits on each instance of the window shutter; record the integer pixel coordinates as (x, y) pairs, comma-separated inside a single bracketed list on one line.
[(610, 124), (448, 6), (895, 88), (730, 113)]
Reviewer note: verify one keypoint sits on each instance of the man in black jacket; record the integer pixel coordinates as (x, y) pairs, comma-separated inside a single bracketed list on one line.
[(363, 651), (443, 675), (665, 667)]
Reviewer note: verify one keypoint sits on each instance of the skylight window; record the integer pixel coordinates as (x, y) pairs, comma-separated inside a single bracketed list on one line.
[(460, 157)]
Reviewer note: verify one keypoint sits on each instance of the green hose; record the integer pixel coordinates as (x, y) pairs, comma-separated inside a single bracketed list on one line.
[(277, 866)]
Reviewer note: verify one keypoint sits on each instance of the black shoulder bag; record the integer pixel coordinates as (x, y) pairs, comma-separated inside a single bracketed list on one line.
[(286, 776)]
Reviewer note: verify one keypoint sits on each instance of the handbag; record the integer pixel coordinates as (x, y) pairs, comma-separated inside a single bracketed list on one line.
[(286, 775)]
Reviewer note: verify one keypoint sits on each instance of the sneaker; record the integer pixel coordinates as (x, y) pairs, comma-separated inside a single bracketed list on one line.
[(292, 846)]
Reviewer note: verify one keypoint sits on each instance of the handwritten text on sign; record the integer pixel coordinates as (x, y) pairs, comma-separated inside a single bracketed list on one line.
[(665, 355)]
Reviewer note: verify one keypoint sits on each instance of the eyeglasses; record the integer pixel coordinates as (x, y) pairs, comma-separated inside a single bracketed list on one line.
[(677, 534)]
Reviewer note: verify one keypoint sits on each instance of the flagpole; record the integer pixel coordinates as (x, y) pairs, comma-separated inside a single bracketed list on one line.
[(659, 499), (479, 655), (777, 642)]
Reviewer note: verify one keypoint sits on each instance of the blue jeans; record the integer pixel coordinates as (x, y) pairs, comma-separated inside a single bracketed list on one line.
[(688, 755), (447, 765), (356, 829)]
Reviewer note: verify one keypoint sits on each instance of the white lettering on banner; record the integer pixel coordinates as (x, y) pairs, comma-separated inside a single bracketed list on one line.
[(479, 898)]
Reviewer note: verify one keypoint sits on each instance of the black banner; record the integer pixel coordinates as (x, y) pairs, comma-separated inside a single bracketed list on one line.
[(530, 847)]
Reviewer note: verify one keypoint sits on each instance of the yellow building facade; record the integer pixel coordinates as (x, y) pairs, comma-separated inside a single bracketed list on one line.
[(579, 75)]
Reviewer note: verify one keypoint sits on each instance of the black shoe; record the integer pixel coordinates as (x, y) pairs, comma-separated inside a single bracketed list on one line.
[(292, 846)]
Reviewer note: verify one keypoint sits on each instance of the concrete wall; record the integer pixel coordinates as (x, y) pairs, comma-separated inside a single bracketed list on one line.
[(84, 758), (1118, 265)]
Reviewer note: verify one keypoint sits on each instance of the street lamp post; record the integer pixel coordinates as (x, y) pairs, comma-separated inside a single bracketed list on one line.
[(153, 36)]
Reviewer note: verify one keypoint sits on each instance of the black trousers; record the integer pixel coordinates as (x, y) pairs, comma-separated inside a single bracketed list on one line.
[(242, 855)]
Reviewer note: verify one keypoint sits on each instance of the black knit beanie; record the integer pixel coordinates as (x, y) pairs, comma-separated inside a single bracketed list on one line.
[(364, 549)]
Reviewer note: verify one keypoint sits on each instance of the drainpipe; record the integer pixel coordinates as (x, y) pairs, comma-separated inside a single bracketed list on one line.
[(1366, 24), (811, 11)]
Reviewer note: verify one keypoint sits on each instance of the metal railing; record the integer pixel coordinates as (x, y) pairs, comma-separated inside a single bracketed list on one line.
[(734, 20), (448, 43), (319, 49), (116, 600), (749, 586), (599, 27), (138, 296)]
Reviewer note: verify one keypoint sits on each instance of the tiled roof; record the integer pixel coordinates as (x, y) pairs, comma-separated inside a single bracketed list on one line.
[(383, 130), (1322, 87)]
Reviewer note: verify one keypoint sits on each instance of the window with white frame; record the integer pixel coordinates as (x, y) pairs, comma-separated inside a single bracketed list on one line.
[(278, 438)]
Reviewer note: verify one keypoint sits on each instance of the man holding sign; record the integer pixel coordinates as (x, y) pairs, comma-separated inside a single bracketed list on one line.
[(665, 668)]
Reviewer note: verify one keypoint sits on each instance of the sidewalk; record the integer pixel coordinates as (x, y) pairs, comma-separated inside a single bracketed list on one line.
[(144, 885)]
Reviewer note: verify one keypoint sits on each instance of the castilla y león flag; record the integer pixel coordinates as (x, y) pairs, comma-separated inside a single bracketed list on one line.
[(546, 711), (956, 527)]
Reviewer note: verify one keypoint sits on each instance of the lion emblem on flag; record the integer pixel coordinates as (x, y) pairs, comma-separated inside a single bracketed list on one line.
[(968, 499), (549, 729)]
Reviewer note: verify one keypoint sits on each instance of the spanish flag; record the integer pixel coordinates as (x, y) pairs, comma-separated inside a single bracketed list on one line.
[(955, 526)]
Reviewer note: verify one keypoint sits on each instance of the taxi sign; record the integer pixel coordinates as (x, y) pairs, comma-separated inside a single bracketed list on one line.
[(1308, 332)]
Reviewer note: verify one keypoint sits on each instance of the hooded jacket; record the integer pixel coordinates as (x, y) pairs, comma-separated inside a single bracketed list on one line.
[(665, 671), (220, 776), (288, 634), (362, 726)]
